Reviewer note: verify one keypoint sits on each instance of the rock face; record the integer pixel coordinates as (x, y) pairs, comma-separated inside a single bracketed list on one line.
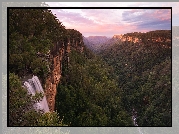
[(122, 38), (59, 53), (53, 79)]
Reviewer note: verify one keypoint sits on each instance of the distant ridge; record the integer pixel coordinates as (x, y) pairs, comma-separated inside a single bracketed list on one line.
[(95, 42)]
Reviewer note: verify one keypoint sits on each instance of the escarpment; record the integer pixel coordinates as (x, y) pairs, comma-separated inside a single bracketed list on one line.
[(58, 54), (54, 78)]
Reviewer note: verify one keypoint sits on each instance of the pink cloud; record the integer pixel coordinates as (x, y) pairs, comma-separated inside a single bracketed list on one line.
[(73, 18), (162, 14), (95, 21), (107, 29), (112, 21)]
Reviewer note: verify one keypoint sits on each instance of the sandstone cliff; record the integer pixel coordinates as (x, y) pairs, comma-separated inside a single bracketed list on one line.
[(59, 53)]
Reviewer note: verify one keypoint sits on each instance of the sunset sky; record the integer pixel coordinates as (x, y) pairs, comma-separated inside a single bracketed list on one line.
[(108, 22)]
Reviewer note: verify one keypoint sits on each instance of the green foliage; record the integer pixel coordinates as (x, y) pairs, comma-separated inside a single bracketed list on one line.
[(32, 32), (20, 104), (144, 75), (50, 119), (87, 96)]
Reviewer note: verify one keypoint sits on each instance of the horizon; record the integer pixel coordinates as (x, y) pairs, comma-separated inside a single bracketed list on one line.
[(118, 34)]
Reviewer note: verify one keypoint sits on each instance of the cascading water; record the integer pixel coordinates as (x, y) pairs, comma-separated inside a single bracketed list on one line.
[(134, 117), (33, 85)]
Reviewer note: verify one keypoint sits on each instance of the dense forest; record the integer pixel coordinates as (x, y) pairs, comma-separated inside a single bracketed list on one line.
[(101, 88), (144, 75), (89, 95)]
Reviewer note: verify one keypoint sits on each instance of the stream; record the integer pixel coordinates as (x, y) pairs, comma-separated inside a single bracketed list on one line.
[(134, 118)]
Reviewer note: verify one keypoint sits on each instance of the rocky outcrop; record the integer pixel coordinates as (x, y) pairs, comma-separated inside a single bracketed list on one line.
[(59, 52), (122, 38), (54, 78), (151, 36)]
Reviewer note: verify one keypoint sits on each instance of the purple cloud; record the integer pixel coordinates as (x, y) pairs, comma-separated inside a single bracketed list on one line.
[(148, 19)]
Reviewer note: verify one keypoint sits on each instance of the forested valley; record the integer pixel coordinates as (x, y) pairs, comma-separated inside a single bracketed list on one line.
[(123, 83), (144, 75)]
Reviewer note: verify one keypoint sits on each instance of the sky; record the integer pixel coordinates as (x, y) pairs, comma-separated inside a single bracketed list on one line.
[(109, 22)]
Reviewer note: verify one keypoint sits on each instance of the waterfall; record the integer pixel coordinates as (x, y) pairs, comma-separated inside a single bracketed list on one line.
[(134, 117), (34, 86)]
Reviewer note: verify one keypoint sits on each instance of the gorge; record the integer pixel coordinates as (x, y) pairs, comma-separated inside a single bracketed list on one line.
[(84, 84)]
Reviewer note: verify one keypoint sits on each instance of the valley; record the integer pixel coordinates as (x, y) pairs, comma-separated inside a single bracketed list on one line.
[(87, 81)]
